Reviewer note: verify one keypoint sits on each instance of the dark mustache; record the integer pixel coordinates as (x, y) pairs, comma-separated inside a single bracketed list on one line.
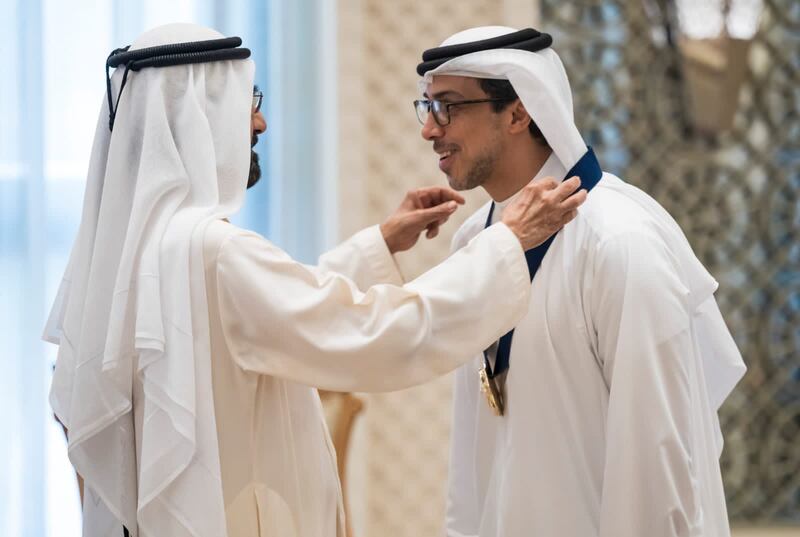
[(438, 147), (253, 141)]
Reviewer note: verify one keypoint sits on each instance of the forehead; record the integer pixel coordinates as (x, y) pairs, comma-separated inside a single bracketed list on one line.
[(464, 86)]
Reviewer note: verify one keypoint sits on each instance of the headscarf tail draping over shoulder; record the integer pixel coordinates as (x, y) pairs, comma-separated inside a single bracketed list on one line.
[(132, 308), (540, 80)]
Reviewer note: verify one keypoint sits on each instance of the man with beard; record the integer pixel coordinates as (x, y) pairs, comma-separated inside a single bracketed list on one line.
[(190, 350), (598, 416), (258, 125)]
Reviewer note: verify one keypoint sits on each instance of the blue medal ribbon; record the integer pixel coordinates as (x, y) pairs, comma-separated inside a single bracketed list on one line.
[(589, 172)]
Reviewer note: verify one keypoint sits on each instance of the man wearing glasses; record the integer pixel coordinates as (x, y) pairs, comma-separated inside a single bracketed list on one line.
[(258, 125), (597, 415), (190, 350)]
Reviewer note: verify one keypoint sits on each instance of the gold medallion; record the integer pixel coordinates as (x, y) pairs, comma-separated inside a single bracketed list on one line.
[(492, 393)]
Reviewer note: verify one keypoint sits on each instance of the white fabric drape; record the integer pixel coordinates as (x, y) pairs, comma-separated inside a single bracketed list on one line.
[(616, 373), (53, 84), (177, 159)]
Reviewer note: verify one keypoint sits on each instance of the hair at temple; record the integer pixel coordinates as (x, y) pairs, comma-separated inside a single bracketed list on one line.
[(502, 89)]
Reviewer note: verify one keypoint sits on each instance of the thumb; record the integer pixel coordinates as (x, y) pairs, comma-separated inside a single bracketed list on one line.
[(443, 209), (425, 216), (431, 214)]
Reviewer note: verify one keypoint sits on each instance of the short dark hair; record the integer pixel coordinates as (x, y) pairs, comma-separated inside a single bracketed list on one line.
[(502, 89)]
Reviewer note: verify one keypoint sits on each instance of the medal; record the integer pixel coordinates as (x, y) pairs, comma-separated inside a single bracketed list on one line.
[(588, 169), (489, 388)]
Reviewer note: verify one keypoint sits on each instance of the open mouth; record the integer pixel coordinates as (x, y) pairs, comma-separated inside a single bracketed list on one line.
[(446, 160)]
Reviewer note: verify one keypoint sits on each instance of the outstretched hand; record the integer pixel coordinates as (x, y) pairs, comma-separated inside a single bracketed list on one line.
[(421, 209)]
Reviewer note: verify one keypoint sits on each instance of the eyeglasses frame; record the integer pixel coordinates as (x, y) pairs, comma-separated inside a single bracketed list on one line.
[(258, 98), (447, 106)]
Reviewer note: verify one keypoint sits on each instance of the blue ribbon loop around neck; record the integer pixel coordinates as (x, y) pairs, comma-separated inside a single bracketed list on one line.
[(589, 171)]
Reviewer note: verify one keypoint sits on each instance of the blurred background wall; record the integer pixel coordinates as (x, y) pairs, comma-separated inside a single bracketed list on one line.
[(651, 92)]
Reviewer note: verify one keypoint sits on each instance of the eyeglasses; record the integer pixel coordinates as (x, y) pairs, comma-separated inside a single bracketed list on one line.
[(257, 98), (441, 109)]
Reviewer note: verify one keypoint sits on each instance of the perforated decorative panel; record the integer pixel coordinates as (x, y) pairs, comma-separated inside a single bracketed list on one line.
[(735, 195)]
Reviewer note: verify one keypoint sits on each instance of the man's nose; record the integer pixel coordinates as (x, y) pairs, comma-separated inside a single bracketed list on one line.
[(430, 129), (259, 123)]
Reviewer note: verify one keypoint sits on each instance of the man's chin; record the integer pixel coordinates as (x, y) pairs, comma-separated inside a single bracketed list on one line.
[(456, 183)]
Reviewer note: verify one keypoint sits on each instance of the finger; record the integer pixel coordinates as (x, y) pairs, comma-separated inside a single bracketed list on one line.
[(435, 226), (435, 195), (428, 197), (439, 223), (425, 198), (568, 217), (411, 200), (568, 187), (548, 183), (574, 201), (423, 217), (445, 209), (419, 202), (448, 194), (429, 229)]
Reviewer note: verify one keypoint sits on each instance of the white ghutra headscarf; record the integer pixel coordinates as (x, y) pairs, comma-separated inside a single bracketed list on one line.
[(541, 82), (538, 78), (133, 378)]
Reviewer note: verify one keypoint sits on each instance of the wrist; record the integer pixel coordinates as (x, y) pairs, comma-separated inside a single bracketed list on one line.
[(387, 238), (514, 229)]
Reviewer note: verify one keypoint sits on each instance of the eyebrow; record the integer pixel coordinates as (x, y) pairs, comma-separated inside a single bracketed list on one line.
[(442, 94)]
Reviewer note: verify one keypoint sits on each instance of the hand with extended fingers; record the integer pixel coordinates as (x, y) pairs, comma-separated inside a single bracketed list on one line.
[(421, 209), (542, 208)]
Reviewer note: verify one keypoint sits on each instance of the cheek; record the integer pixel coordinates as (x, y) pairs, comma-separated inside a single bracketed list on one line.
[(465, 150)]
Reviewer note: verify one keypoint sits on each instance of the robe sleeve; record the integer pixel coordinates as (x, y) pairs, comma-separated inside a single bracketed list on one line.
[(315, 327), (643, 326), (364, 258)]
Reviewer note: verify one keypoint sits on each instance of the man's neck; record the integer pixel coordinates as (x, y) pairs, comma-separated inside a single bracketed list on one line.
[(516, 172)]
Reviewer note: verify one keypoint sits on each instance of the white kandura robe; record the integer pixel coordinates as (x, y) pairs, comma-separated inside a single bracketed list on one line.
[(610, 429), (279, 329)]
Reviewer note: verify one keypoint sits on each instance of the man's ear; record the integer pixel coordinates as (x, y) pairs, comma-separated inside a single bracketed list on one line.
[(519, 118)]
